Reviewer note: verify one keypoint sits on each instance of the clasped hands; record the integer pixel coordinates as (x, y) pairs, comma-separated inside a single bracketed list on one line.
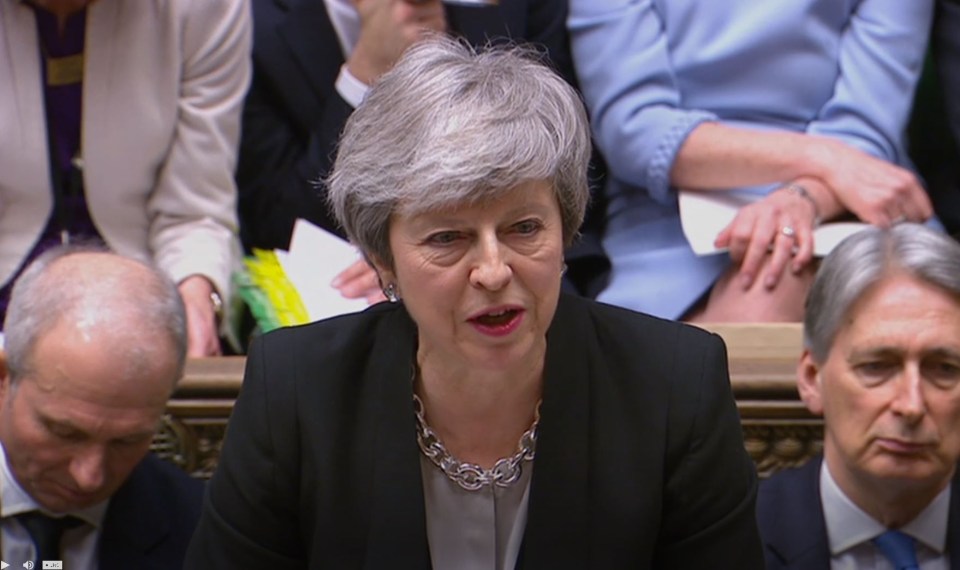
[(781, 224)]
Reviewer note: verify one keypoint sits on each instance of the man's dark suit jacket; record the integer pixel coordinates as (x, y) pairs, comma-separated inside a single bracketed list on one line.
[(293, 115), (792, 525), (946, 42), (639, 461), (151, 518)]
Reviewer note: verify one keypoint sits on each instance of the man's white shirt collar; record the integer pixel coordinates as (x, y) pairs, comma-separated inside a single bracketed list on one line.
[(848, 525)]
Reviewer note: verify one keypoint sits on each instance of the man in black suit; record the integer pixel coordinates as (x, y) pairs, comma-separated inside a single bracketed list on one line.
[(95, 344), (881, 363)]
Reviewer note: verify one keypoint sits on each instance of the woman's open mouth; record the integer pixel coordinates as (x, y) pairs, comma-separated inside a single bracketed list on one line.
[(499, 322)]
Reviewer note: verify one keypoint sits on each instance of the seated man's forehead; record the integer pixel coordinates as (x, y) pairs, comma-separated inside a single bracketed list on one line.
[(129, 426)]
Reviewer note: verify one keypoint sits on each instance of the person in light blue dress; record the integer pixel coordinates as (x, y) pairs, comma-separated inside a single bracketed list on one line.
[(803, 103)]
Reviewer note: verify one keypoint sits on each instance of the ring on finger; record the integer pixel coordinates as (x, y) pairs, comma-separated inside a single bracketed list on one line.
[(898, 220), (788, 231)]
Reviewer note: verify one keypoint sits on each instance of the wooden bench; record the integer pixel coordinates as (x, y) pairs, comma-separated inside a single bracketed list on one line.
[(778, 430)]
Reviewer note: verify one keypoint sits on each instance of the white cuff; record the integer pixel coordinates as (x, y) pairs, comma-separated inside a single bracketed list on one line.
[(350, 88)]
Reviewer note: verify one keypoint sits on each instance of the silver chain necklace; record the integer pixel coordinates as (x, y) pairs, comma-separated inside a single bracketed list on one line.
[(471, 476)]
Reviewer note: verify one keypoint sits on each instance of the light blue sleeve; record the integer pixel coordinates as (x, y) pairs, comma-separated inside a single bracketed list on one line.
[(620, 53), (880, 61)]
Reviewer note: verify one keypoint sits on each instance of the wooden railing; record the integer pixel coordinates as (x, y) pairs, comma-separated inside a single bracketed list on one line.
[(778, 430)]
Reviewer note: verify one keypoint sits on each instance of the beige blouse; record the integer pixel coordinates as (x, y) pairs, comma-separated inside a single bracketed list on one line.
[(470, 530)]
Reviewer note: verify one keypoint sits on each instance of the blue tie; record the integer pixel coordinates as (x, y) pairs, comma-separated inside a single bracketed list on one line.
[(899, 549)]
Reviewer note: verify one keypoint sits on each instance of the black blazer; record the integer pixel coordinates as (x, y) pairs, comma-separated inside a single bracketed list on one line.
[(151, 518), (792, 525), (293, 114), (640, 460)]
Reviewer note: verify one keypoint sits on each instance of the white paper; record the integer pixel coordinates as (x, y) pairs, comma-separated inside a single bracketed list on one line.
[(316, 256), (704, 214)]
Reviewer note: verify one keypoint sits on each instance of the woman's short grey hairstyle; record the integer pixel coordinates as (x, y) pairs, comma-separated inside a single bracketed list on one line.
[(41, 299), (450, 125), (863, 260)]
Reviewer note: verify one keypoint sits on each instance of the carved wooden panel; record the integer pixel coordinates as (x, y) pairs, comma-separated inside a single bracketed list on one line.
[(192, 430), (193, 444), (775, 446)]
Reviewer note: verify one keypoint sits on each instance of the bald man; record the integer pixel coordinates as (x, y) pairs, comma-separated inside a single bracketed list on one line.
[(95, 344)]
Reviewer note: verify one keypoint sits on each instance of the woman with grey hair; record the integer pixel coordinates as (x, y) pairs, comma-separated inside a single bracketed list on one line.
[(481, 419)]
